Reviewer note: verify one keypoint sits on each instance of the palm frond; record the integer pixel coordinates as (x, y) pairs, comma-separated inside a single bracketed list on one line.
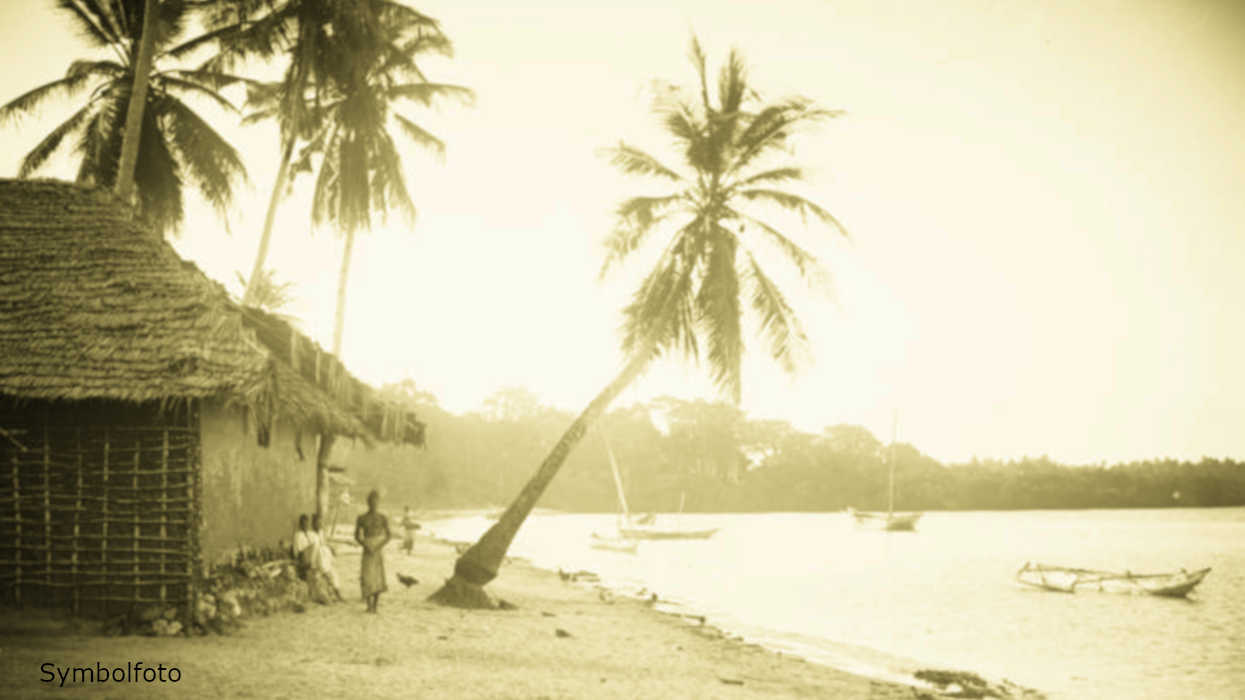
[(806, 263), (398, 58), (327, 190), (732, 84), (99, 141), (662, 309), (403, 17), (770, 128), (637, 217), (216, 80), (697, 56), (426, 93), (248, 37), (29, 101), (109, 70), (718, 314), (774, 175), (96, 21), (645, 211), (788, 345), (793, 202), (45, 148), (157, 178), (420, 136), (214, 36), (212, 163), (633, 161), (354, 198), (190, 87), (389, 190), (258, 116)]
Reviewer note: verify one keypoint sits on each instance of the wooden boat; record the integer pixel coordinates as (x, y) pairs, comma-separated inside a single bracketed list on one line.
[(1070, 580), (890, 520), (613, 544), (656, 532), (646, 527)]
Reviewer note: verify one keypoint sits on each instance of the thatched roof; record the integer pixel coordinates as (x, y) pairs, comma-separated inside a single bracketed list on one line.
[(94, 306)]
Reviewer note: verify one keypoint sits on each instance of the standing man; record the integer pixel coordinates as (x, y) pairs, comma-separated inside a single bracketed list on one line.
[(371, 531)]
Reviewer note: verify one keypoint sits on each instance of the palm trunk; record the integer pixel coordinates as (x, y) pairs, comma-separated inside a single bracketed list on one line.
[(478, 565), (138, 101), (339, 322), (261, 256), (322, 475)]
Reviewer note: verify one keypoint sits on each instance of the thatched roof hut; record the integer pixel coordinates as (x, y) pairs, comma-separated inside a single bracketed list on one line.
[(92, 306), (148, 422)]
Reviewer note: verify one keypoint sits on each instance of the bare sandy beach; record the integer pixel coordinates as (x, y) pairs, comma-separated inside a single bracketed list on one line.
[(564, 641)]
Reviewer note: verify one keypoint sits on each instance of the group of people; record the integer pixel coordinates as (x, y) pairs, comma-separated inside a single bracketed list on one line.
[(371, 531), (314, 557)]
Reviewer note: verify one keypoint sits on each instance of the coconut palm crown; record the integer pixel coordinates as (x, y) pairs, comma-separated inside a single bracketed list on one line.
[(177, 146), (360, 166), (729, 151)]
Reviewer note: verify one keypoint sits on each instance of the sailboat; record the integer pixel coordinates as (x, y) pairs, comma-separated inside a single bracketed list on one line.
[(890, 520), (645, 528), (618, 542)]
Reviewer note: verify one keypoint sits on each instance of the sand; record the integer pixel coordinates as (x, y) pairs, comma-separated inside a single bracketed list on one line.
[(413, 649)]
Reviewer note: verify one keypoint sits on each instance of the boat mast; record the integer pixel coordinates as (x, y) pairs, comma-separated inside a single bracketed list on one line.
[(622, 497), (890, 502)]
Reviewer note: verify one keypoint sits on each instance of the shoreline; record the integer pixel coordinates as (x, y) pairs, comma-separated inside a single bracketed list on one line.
[(563, 641), (844, 657), (852, 662)]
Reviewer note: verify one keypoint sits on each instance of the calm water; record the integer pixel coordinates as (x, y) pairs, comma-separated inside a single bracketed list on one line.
[(886, 603)]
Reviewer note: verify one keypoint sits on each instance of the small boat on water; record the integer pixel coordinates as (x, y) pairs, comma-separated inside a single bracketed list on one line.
[(1070, 580), (657, 532), (644, 527), (890, 521), (613, 544)]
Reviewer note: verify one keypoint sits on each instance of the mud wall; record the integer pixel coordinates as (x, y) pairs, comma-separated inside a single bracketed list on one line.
[(252, 494)]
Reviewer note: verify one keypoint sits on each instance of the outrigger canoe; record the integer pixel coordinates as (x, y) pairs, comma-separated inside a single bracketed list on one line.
[(1069, 580)]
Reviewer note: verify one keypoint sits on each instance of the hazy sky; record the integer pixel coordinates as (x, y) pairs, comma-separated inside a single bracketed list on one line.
[(1047, 239)]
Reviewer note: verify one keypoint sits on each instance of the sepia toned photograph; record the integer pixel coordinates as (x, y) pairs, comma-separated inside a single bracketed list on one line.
[(862, 349)]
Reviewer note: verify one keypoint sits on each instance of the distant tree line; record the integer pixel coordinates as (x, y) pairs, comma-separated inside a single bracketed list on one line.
[(717, 460)]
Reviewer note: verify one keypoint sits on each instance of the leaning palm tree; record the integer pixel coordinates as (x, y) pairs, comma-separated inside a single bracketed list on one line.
[(691, 299), (176, 144)]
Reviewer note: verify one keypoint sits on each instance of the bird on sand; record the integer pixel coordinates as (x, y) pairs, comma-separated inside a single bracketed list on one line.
[(407, 581)]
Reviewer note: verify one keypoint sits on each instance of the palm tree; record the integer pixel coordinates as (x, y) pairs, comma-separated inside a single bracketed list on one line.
[(176, 144), (326, 43), (273, 296), (692, 297), (344, 117), (360, 167)]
